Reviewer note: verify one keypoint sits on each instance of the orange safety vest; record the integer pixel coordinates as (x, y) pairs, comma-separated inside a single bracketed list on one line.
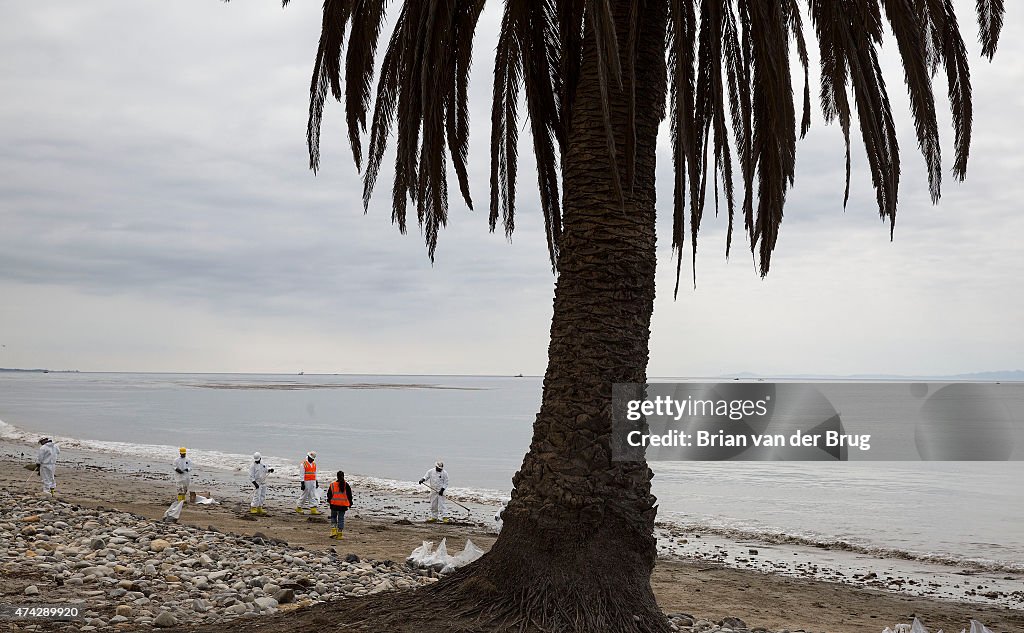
[(309, 470), (338, 496)]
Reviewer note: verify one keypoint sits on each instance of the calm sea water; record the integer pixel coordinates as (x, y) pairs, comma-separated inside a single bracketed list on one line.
[(394, 427)]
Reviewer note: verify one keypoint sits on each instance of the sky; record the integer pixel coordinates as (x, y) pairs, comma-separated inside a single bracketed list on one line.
[(157, 214)]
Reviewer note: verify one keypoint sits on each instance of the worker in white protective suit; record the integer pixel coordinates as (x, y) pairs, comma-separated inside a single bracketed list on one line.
[(258, 475), (182, 476), (46, 463), (309, 497), (437, 480)]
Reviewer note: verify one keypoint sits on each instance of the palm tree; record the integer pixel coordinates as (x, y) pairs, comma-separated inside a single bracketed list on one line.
[(577, 548)]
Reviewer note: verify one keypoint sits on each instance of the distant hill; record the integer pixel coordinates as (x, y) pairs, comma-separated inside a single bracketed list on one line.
[(40, 371), (1012, 375)]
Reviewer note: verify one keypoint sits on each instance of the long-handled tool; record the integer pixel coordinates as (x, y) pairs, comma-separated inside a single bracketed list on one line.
[(468, 511), (33, 470)]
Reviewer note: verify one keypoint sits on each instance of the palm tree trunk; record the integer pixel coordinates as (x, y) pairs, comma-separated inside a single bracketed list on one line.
[(577, 548)]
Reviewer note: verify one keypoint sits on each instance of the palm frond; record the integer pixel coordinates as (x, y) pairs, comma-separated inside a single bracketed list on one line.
[(774, 132), (687, 156), (529, 56), (990, 24), (740, 72), (730, 88), (421, 93), (910, 39)]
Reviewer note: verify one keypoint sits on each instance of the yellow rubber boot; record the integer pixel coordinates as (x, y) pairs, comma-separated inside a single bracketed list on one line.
[(260, 510), (313, 510), (298, 509), (334, 532), (181, 497), (254, 510), (339, 537)]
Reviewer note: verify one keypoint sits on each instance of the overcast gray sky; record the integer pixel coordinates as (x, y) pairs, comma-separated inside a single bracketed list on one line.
[(157, 215)]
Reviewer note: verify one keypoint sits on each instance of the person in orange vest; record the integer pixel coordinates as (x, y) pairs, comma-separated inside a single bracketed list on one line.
[(339, 497), (308, 498)]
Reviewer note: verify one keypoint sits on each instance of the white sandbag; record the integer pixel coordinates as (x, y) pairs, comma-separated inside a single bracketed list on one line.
[(174, 512), (200, 499), (978, 627), (469, 554), (917, 627), (421, 553), (440, 555), (440, 560)]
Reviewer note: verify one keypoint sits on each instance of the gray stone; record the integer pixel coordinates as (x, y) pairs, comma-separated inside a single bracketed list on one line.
[(31, 590), (266, 603), (733, 623), (165, 619), (284, 596)]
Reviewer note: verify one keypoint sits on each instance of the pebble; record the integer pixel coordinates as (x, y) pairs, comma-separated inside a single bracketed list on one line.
[(266, 603), (155, 574), (140, 574)]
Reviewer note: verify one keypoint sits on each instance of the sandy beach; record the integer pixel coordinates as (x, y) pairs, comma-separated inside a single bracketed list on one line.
[(382, 527)]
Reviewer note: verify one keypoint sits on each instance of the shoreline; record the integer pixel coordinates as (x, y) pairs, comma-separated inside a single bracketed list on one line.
[(385, 526), (777, 554)]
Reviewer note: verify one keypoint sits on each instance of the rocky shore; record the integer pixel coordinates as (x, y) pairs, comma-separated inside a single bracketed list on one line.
[(97, 546), (127, 572)]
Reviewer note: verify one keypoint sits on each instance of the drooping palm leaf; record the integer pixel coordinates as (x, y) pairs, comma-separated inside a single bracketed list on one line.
[(729, 86)]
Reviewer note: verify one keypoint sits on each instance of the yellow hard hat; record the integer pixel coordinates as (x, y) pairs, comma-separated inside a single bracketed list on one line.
[(181, 450)]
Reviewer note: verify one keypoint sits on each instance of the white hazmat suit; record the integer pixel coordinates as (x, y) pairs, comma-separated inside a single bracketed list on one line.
[(47, 460), (309, 497), (182, 476), (438, 481), (258, 475)]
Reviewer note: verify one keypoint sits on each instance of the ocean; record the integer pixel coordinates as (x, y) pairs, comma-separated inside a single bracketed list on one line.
[(391, 429)]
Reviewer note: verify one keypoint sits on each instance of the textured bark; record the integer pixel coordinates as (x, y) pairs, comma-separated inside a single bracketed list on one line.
[(577, 548)]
